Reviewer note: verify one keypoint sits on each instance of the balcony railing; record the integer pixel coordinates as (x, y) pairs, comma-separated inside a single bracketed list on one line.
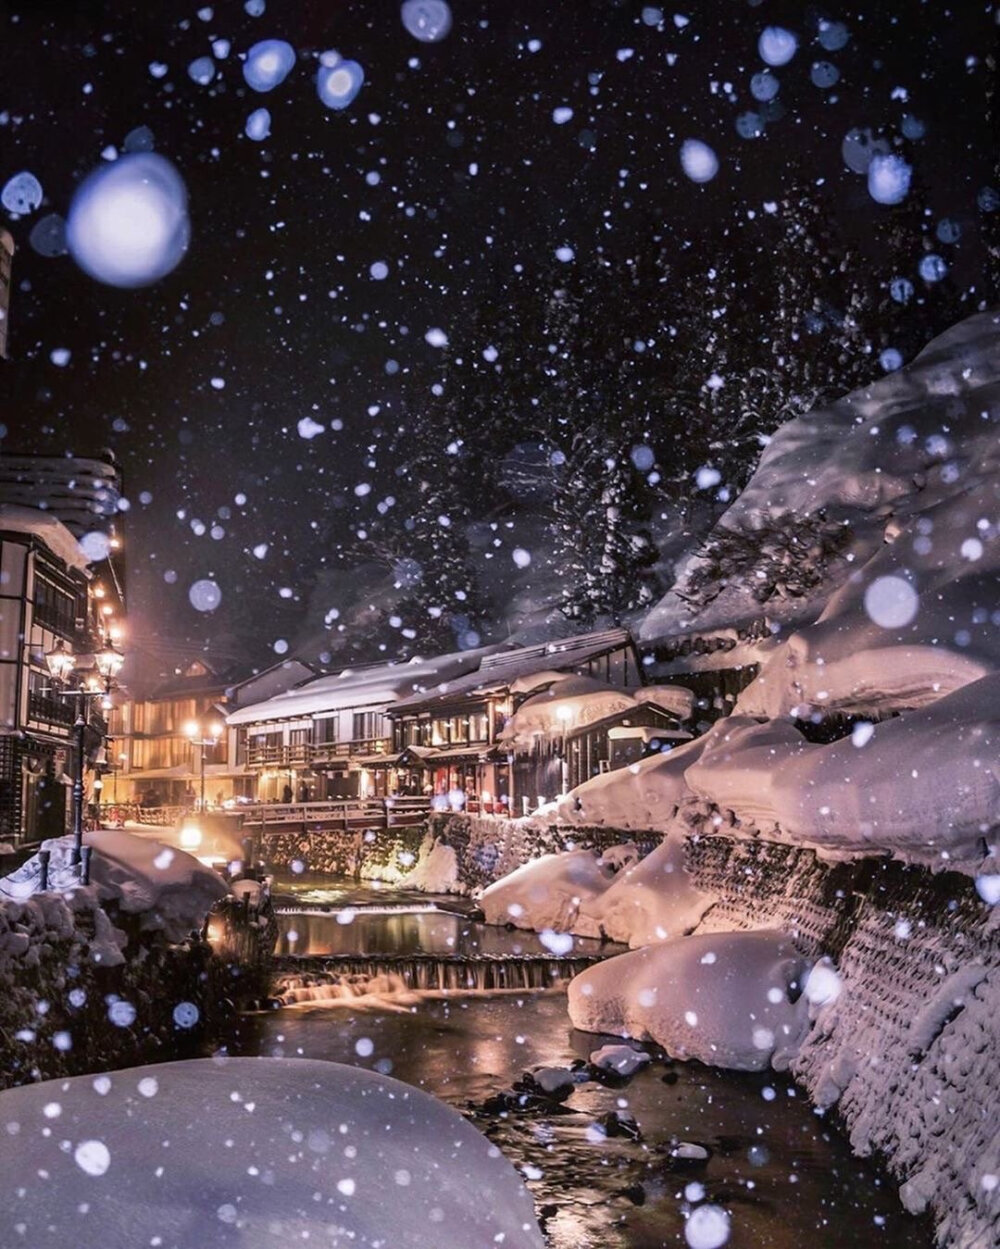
[(44, 709), (308, 753)]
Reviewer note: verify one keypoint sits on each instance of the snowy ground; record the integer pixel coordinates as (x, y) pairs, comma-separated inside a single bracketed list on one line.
[(261, 1153)]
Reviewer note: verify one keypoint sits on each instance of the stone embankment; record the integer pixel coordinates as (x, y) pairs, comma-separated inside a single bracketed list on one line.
[(907, 1057), (85, 988)]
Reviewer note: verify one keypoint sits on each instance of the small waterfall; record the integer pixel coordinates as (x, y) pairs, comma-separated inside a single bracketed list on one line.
[(333, 979)]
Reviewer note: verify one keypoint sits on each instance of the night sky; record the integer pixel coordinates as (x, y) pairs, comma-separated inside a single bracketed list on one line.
[(451, 170)]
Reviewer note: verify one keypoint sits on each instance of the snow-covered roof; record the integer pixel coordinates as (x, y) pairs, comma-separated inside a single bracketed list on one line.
[(576, 703), (377, 685), (47, 529), (510, 669)]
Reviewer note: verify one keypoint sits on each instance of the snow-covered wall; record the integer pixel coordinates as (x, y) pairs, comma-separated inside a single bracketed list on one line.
[(907, 1055)]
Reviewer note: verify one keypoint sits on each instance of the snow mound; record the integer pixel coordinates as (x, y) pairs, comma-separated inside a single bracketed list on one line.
[(652, 900), (916, 621), (548, 893), (891, 450), (728, 999), (612, 896), (927, 781), (436, 870), (255, 1152), (168, 889), (643, 795)]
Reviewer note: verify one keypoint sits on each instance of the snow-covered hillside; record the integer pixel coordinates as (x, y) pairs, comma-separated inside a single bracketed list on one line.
[(898, 621)]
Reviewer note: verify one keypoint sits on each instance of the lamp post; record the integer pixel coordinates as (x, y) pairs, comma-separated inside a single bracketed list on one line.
[(203, 739), (69, 683)]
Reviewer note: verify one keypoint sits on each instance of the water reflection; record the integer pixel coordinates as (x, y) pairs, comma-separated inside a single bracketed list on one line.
[(351, 931)]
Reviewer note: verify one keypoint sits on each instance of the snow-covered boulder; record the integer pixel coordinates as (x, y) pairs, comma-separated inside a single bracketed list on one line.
[(547, 893), (911, 624), (875, 458), (168, 889), (255, 1152), (650, 901), (729, 999)]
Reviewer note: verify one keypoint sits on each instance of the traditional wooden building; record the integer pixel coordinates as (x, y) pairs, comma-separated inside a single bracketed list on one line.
[(329, 737), (454, 742), (46, 599), (171, 742)]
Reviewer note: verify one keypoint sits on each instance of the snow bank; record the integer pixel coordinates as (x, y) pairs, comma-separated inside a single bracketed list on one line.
[(256, 1152), (436, 870), (549, 892), (610, 895), (168, 889), (643, 795), (729, 999)]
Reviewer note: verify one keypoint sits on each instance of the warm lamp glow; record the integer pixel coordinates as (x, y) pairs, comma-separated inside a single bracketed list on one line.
[(60, 661), (191, 728)]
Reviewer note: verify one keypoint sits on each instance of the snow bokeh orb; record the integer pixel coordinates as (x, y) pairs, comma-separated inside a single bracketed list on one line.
[(21, 194), (888, 179), (426, 20), (764, 85), (205, 595), (858, 148), (824, 75), (258, 125), (933, 268), (268, 64), (92, 1157), (338, 81), (777, 45), (95, 546), (128, 222), (48, 237), (891, 602), (707, 1228), (698, 160), (833, 35), (202, 71)]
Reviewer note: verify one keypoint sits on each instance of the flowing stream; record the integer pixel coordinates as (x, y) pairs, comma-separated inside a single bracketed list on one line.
[(782, 1171)]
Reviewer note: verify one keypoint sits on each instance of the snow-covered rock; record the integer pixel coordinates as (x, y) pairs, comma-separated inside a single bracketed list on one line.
[(729, 999), (252, 1152), (548, 893), (873, 460), (650, 901), (621, 1060)]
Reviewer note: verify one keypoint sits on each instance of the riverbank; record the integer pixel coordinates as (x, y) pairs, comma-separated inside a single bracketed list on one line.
[(907, 1056)]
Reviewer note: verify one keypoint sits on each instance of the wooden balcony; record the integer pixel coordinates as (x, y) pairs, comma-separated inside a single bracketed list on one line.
[(307, 754)]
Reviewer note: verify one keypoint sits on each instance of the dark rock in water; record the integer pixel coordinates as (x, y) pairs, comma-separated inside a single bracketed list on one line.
[(687, 1154), (554, 1084), (616, 1124), (669, 1077), (634, 1193)]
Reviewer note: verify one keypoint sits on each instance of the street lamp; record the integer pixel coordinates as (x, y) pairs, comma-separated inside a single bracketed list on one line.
[(203, 739), (61, 663), (564, 714)]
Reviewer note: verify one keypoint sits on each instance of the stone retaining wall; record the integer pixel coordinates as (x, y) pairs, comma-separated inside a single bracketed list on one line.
[(908, 1056), (84, 990)]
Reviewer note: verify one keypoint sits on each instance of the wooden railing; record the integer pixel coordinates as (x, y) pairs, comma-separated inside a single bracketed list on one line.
[(263, 756)]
